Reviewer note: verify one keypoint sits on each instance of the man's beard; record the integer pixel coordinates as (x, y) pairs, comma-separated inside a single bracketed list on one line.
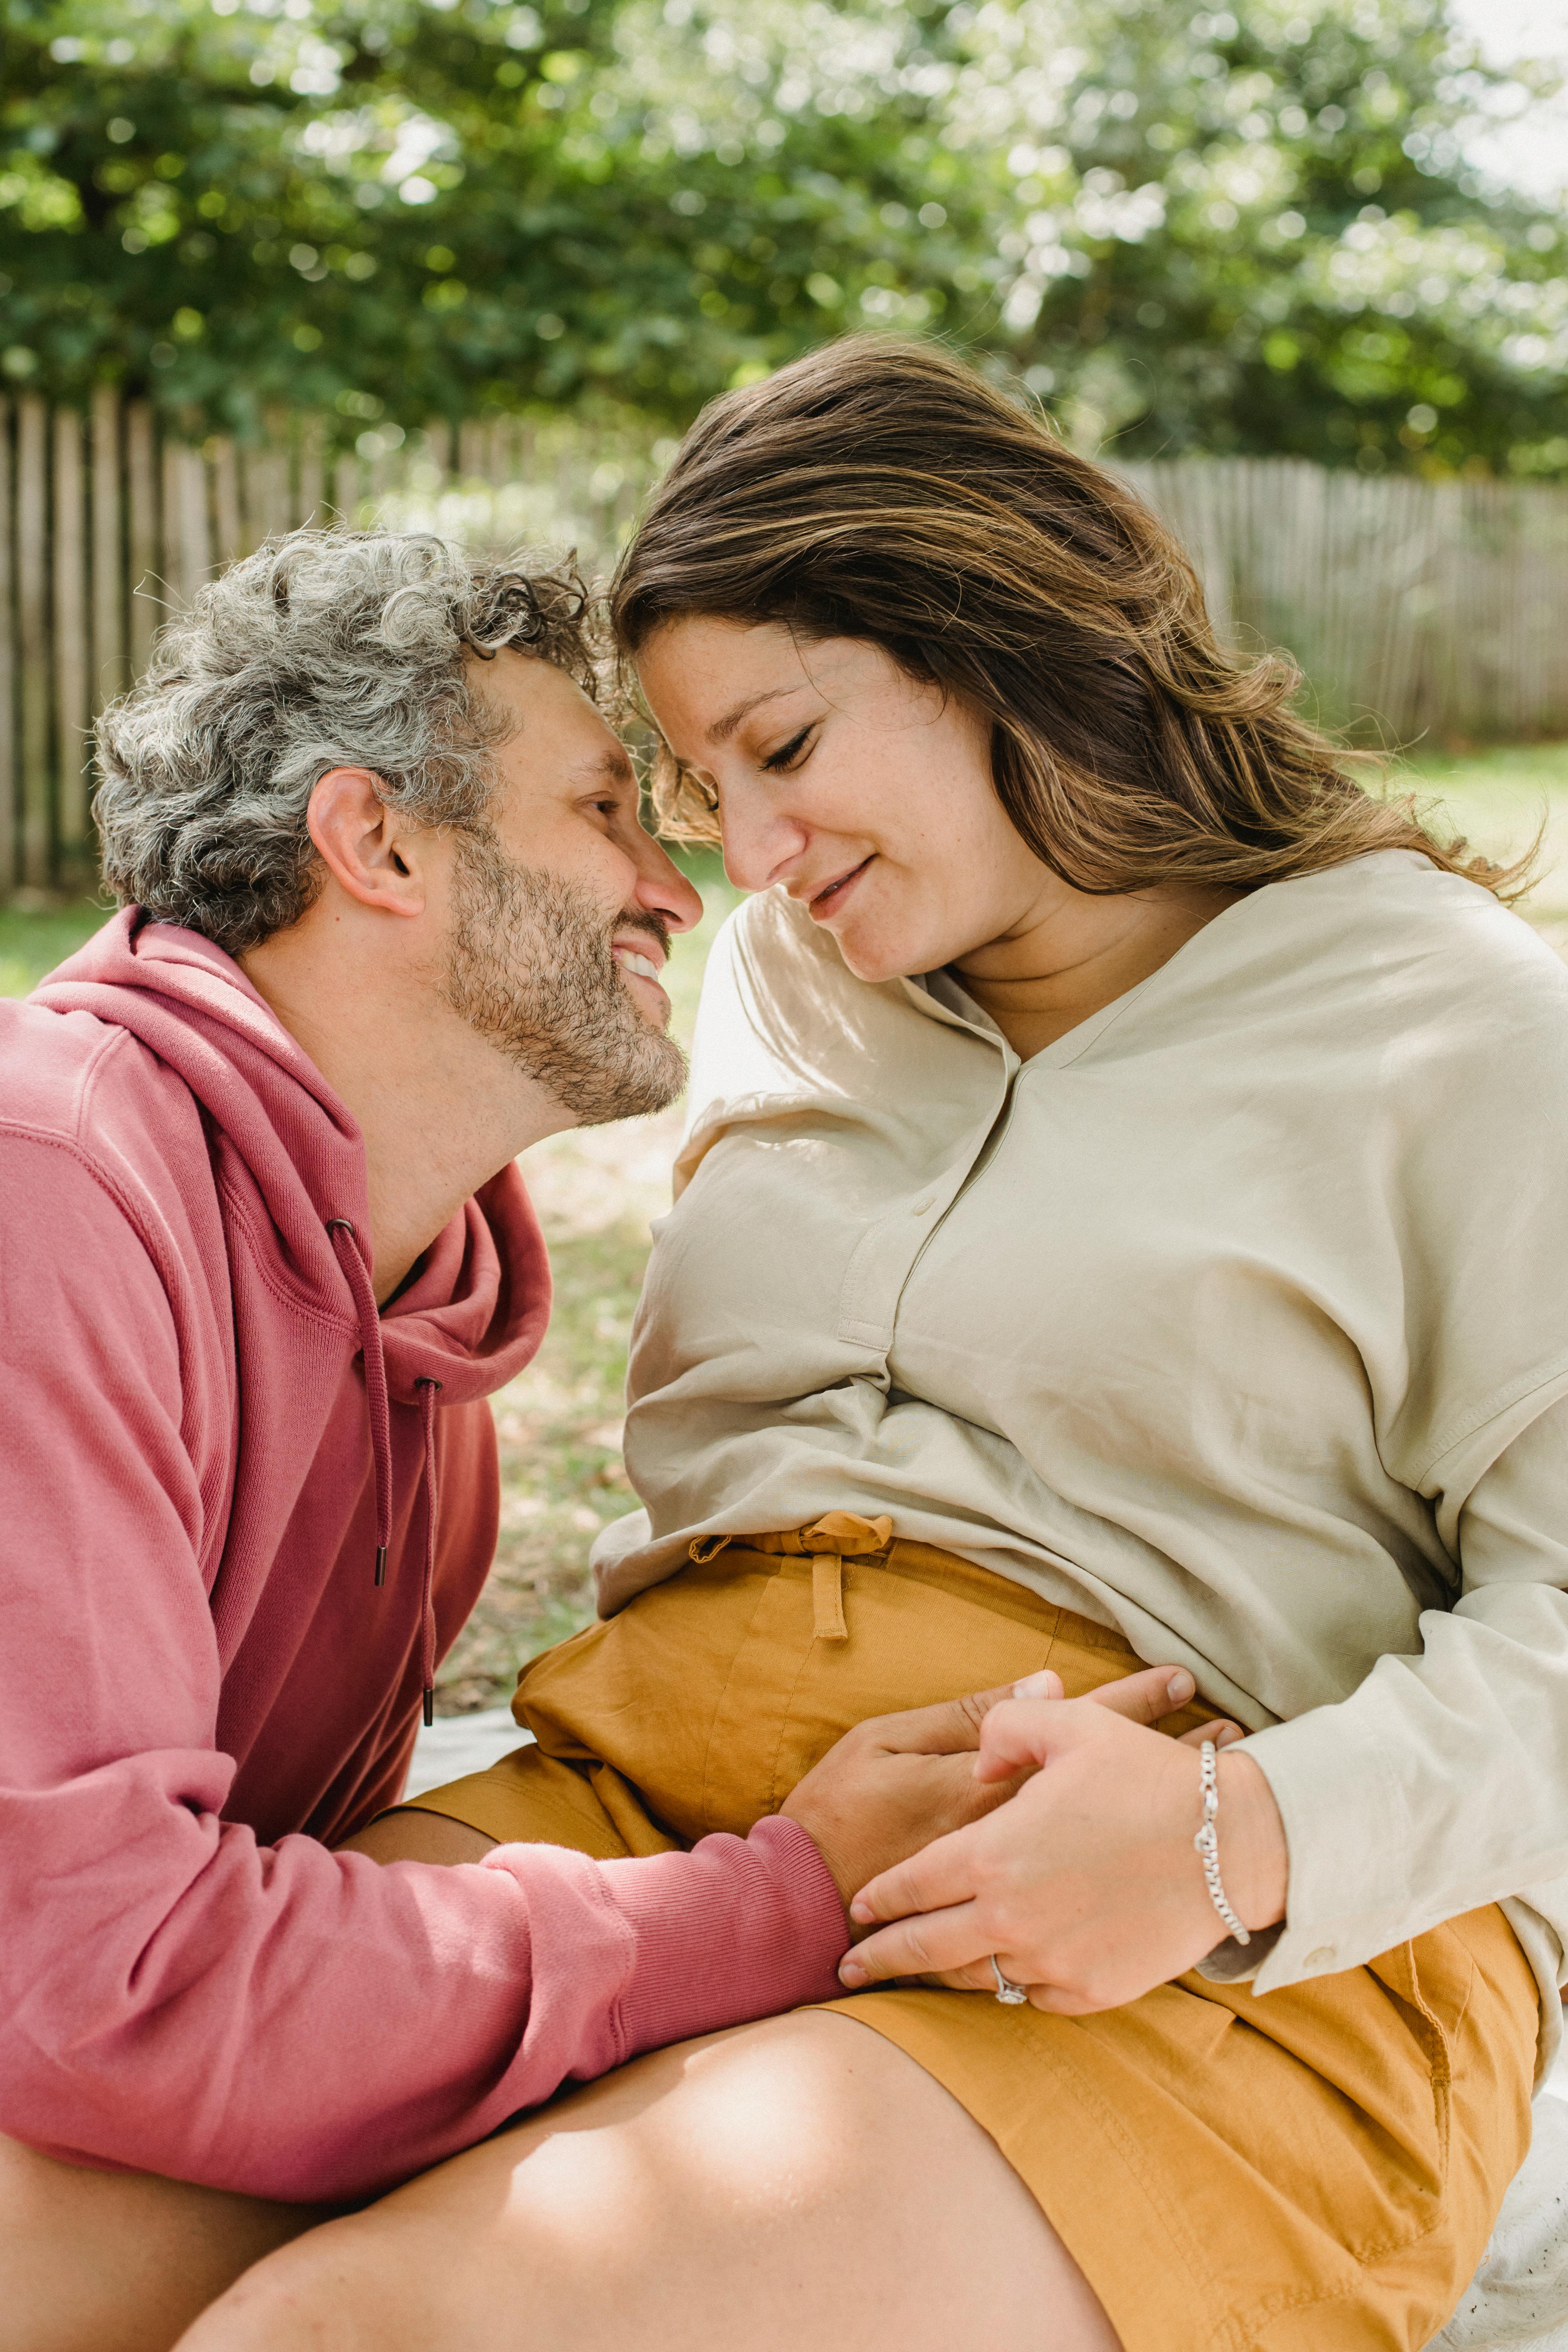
[(529, 966)]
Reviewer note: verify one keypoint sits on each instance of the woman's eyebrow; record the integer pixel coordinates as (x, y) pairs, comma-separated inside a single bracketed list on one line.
[(723, 728)]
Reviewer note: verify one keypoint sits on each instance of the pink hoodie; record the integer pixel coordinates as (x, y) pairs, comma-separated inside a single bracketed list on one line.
[(202, 1465)]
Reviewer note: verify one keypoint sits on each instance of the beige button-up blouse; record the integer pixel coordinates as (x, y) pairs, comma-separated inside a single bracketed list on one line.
[(1237, 1318)]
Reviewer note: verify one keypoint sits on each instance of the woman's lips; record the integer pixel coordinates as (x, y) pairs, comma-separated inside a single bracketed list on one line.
[(828, 902)]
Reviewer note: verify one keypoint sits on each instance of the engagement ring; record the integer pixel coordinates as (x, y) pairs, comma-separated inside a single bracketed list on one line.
[(1006, 1991)]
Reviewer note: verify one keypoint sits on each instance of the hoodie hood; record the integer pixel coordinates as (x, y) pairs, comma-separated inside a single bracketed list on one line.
[(291, 1160), (290, 1167)]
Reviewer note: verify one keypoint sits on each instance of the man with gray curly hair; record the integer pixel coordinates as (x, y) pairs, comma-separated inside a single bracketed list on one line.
[(389, 916), (337, 653)]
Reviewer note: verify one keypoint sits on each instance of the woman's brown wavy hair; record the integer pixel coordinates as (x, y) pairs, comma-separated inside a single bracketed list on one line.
[(883, 490)]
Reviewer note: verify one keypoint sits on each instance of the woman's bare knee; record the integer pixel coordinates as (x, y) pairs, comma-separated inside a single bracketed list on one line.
[(796, 2182), (115, 2262)]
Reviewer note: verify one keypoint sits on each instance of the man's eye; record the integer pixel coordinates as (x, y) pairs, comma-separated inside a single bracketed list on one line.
[(787, 753)]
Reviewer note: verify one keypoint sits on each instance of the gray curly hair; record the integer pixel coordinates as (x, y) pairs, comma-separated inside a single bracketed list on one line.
[(324, 650)]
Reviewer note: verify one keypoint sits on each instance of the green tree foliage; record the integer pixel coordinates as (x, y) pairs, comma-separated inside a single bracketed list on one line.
[(1185, 231), (1263, 237)]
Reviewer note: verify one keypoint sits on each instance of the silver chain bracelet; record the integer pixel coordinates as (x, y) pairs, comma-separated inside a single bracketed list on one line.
[(1207, 1845)]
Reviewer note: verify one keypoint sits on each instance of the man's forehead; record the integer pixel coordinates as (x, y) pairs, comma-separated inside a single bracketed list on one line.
[(560, 733)]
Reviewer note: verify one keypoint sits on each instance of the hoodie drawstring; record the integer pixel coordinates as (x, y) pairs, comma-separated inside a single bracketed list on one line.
[(345, 1241), (429, 1391)]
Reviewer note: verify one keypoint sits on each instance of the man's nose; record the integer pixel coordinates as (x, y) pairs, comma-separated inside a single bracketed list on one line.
[(662, 890)]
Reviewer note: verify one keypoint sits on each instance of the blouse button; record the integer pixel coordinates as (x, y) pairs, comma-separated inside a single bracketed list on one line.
[(920, 1206), (1323, 1958)]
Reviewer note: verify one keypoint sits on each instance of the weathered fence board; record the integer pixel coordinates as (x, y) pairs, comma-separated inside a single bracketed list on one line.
[(1415, 608), (33, 815), (110, 674), (73, 713), (7, 673), (141, 533)]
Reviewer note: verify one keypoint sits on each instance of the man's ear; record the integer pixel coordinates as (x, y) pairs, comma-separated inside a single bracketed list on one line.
[(370, 850)]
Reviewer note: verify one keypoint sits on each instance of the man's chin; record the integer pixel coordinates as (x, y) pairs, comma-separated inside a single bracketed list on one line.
[(647, 1001), (648, 1082)]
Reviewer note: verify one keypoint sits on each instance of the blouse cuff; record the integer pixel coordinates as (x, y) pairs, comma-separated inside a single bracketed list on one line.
[(1234, 1963), (1350, 1896)]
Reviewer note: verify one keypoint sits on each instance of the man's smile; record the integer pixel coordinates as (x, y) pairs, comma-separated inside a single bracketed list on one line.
[(643, 966), (641, 956)]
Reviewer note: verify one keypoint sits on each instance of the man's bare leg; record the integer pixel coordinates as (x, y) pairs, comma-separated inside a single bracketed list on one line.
[(120, 2262), (799, 2182), (414, 1836)]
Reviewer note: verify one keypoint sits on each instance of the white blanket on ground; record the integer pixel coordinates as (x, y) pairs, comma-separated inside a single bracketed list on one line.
[(1518, 2300), (458, 1744)]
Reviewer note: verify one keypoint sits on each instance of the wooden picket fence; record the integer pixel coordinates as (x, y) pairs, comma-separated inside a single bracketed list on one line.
[(107, 525), (1417, 609)]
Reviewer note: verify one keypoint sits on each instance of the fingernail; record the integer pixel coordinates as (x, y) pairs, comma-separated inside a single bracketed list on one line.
[(860, 1912), (1034, 1686), (851, 1973), (1228, 1737), (1180, 1687)]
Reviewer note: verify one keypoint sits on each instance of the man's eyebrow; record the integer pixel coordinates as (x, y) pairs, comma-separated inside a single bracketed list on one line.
[(722, 728), (610, 768)]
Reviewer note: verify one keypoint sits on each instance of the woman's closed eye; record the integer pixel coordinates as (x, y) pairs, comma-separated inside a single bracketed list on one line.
[(779, 763)]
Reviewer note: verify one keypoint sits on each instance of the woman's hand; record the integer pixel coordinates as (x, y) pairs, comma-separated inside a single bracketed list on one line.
[(1085, 1885), (896, 1783)]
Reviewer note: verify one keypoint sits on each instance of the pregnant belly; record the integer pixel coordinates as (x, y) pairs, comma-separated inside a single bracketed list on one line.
[(715, 1692)]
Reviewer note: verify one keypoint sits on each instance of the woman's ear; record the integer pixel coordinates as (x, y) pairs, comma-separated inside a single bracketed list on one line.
[(370, 850)]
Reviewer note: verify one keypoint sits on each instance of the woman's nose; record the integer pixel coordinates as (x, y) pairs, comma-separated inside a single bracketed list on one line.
[(760, 843)]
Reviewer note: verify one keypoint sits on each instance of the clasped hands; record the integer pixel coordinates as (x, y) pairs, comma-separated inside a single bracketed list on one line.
[(1055, 1833)]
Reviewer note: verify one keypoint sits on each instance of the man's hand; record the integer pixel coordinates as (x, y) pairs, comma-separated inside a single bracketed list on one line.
[(895, 1783)]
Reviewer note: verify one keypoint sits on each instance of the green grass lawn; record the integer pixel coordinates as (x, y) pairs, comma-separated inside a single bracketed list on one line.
[(1499, 800), (34, 940), (560, 1424)]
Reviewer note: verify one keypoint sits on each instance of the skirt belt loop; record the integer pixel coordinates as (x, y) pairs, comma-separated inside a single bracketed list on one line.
[(827, 1597), (828, 1539)]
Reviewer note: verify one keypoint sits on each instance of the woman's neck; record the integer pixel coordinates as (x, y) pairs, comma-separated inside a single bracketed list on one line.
[(1080, 955)]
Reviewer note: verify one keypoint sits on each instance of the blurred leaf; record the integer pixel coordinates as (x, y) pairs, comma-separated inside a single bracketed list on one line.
[(1184, 231)]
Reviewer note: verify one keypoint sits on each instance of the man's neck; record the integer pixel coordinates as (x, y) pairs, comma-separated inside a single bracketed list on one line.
[(440, 1110)]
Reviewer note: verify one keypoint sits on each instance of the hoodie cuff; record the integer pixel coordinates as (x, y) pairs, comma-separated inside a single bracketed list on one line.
[(736, 1929)]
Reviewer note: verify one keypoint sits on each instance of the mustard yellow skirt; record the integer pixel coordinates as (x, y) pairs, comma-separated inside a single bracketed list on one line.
[(1314, 2171)]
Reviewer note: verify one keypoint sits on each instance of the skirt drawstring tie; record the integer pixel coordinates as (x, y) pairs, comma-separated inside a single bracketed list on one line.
[(829, 1541)]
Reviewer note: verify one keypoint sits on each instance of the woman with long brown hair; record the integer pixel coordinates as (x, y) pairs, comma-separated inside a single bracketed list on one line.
[(1122, 1220)]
